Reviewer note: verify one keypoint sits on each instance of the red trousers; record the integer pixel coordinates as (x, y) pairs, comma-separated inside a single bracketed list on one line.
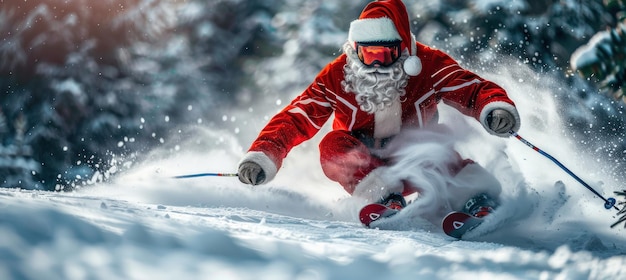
[(346, 160)]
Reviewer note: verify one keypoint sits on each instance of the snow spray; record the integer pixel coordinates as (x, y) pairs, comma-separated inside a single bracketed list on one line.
[(608, 202)]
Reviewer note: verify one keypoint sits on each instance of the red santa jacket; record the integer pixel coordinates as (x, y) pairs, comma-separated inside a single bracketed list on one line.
[(441, 79)]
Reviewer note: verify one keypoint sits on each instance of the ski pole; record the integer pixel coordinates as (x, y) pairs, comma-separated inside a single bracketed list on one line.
[(206, 175), (608, 203)]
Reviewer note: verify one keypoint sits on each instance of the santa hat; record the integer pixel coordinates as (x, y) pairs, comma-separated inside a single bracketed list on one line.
[(383, 21)]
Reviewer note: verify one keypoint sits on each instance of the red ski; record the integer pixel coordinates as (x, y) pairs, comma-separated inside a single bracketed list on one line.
[(374, 212), (456, 224)]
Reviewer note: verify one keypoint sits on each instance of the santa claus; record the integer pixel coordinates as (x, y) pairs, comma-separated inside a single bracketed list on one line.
[(384, 83)]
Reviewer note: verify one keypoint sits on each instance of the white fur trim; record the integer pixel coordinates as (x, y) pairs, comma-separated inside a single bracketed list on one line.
[(499, 105), (473, 179), (377, 185), (412, 66), (373, 30), (260, 158), (387, 122)]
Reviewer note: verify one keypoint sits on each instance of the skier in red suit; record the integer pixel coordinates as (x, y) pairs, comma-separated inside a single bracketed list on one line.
[(384, 83)]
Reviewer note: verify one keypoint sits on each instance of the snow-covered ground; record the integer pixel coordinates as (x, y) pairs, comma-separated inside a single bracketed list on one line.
[(146, 225)]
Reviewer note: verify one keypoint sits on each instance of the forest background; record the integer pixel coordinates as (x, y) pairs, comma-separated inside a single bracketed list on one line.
[(88, 88)]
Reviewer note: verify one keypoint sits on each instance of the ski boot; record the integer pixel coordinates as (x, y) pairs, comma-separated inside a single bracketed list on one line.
[(480, 205), (394, 201)]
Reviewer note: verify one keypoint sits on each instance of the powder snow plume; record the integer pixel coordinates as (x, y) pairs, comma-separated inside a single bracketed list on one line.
[(534, 189)]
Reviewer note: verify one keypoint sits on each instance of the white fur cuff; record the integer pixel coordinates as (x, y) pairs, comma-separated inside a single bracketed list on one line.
[(377, 185), (499, 105)]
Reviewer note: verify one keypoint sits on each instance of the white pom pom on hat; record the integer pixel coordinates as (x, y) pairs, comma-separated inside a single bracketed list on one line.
[(387, 20), (412, 66)]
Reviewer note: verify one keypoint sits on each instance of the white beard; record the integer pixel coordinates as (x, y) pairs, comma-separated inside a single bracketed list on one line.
[(376, 88)]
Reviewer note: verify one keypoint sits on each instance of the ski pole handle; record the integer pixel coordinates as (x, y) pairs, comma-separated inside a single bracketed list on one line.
[(608, 202), (206, 175)]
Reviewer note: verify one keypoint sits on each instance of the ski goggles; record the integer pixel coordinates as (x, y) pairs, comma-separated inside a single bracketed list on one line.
[(377, 53)]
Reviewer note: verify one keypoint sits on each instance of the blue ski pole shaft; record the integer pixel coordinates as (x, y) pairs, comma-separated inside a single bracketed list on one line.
[(609, 203), (206, 175)]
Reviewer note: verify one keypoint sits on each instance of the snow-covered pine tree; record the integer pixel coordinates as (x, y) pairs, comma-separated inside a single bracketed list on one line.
[(123, 76), (16, 162), (603, 58)]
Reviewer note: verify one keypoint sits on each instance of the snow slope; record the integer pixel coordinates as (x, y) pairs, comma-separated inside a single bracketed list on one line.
[(145, 225)]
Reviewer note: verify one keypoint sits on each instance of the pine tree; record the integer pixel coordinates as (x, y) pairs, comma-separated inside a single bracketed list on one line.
[(123, 75), (603, 58)]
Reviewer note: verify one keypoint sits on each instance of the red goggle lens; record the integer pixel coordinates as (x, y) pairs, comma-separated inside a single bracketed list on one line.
[(383, 55)]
